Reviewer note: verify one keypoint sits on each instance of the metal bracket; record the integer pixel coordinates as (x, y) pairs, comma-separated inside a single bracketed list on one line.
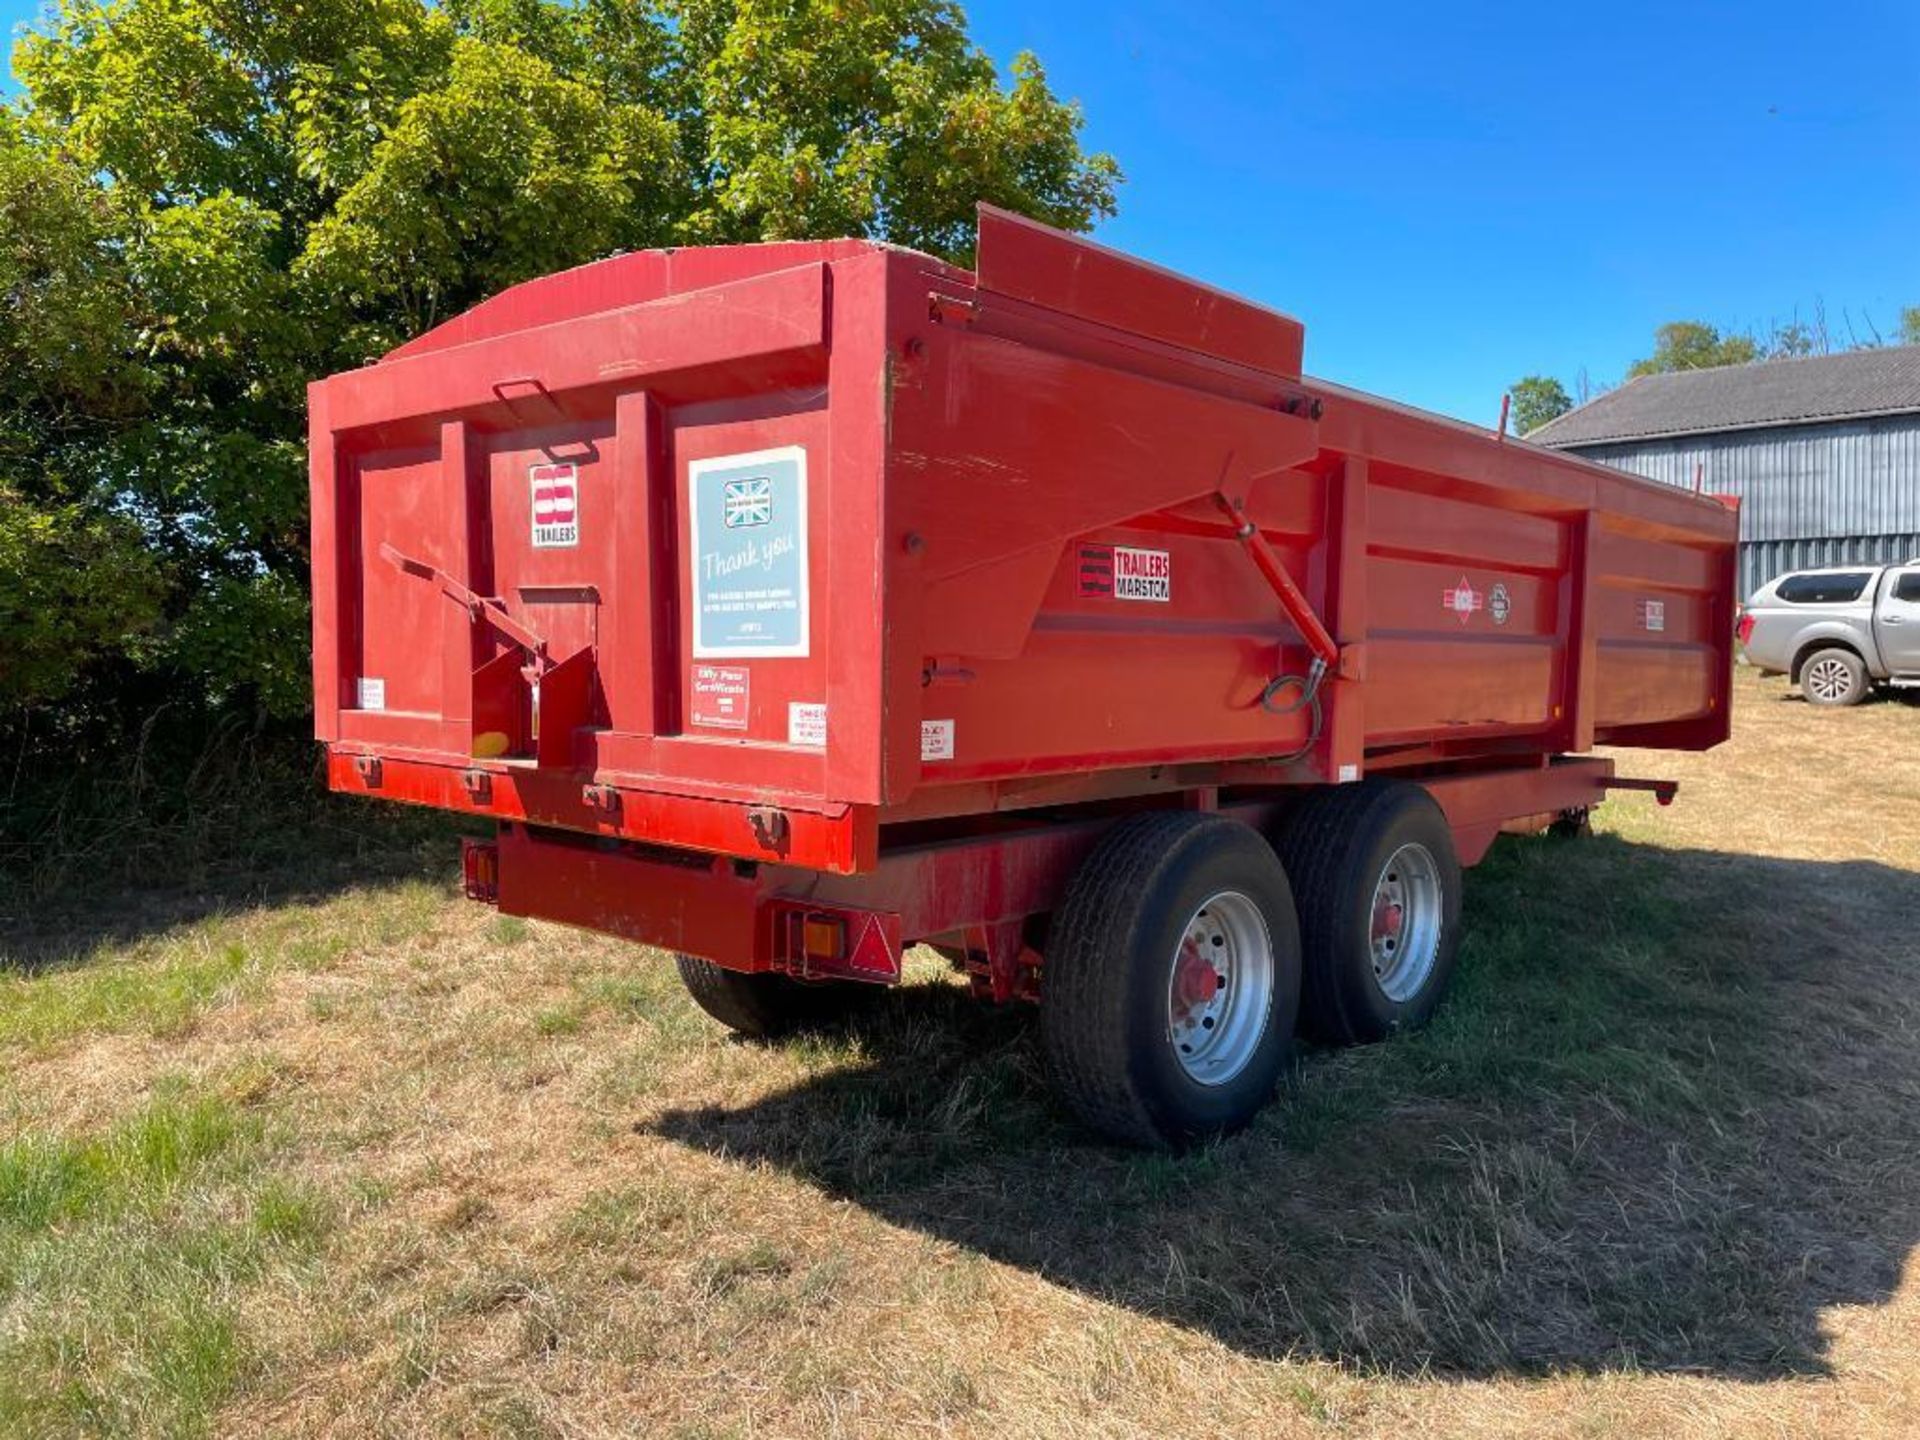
[(944, 308), (937, 672), (998, 963), (771, 828), (479, 786), (368, 768), (1662, 791), (603, 798)]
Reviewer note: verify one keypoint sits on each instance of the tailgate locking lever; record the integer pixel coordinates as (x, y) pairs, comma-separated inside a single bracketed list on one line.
[(479, 607)]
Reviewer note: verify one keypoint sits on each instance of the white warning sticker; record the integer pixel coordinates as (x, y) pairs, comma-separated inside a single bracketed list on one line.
[(807, 724), (720, 696), (936, 739), (372, 693), (1142, 574), (1653, 615)]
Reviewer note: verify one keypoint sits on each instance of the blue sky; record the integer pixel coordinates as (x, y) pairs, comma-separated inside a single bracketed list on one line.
[(1454, 195)]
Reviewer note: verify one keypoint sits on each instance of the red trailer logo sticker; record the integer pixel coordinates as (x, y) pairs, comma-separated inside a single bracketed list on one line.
[(556, 506), (1120, 572), (1096, 570), (1463, 600), (720, 695)]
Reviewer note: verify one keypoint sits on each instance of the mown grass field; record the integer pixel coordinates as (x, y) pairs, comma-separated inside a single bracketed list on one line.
[(331, 1151)]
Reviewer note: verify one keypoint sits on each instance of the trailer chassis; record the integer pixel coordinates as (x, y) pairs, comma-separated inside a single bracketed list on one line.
[(979, 888)]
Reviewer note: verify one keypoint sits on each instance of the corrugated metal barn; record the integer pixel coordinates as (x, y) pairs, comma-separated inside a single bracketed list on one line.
[(1824, 452)]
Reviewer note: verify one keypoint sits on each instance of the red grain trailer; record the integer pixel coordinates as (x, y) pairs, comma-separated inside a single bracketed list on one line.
[(787, 605)]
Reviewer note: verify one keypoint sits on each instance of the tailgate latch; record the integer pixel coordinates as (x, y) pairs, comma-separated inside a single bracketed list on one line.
[(771, 828)]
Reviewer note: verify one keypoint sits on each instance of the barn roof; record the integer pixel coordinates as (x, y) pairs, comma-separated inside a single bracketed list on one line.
[(1816, 388)]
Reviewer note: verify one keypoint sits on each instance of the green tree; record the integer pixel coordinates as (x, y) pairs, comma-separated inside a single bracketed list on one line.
[(1536, 400), (1910, 325), (77, 580), (75, 583), (1792, 341), (872, 117), (206, 203), (1693, 345)]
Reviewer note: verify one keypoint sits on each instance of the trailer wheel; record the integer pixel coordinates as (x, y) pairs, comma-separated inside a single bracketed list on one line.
[(766, 1005), (1378, 888), (1834, 677), (1574, 824), (1172, 981)]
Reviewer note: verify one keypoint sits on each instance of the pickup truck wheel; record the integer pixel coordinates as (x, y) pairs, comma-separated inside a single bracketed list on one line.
[(765, 1005), (1172, 981), (1378, 888), (1833, 677)]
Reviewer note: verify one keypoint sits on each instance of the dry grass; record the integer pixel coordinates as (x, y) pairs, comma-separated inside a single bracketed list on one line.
[(377, 1161)]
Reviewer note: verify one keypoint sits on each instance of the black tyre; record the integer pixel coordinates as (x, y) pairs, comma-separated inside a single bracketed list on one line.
[(1834, 677), (1172, 981), (1377, 886), (1575, 824), (766, 1005)]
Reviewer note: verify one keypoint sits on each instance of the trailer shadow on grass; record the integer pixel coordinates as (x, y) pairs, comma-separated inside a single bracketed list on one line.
[(1670, 1116), (334, 845)]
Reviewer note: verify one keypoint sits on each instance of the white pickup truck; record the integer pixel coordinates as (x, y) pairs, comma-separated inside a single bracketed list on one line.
[(1837, 632)]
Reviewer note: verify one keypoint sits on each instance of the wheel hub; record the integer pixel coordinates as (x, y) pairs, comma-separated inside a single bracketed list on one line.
[(1220, 989), (1831, 679), (1195, 981), (1389, 918), (1404, 933)]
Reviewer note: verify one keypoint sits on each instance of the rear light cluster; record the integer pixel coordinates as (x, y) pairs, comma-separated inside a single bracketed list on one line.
[(814, 943), (1745, 628), (480, 870)]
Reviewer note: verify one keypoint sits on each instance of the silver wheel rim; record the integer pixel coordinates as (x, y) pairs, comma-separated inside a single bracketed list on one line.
[(1830, 679), (1404, 928), (1221, 990)]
